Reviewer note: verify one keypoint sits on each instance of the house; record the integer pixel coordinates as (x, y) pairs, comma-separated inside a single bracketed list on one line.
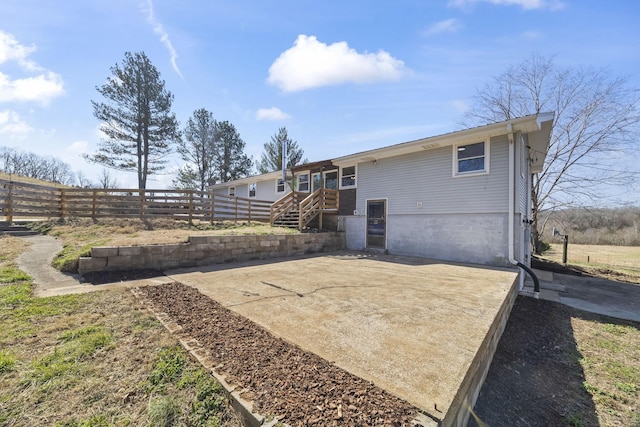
[(463, 196)]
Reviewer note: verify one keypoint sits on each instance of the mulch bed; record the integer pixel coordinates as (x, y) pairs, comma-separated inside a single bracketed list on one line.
[(296, 386)]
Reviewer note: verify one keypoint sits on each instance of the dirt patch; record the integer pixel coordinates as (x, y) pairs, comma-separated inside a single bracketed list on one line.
[(102, 277), (283, 380), (544, 365)]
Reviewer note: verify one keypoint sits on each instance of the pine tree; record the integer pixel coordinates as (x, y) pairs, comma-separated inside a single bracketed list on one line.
[(136, 119)]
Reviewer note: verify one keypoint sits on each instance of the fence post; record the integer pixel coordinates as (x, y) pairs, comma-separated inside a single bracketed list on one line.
[(9, 217), (63, 204), (142, 195), (249, 209), (235, 211), (212, 206), (94, 194), (191, 207)]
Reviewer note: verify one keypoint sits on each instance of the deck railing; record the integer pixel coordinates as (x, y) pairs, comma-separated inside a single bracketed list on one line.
[(305, 206)]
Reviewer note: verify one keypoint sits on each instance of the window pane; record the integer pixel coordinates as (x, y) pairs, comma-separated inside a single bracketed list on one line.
[(316, 182), (471, 165), (280, 187), (303, 182), (349, 176), (331, 180), (351, 170), (471, 150), (252, 190)]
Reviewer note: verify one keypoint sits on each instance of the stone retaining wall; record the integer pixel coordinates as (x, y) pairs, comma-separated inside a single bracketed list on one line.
[(203, 250)]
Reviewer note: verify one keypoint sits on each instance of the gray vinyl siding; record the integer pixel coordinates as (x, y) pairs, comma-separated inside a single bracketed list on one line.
[(427, 177), (242, 190), (266, 190)]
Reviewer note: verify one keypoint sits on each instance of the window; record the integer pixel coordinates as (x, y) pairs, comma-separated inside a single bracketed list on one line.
[(252, 189), (348, 177), (331, 180), (471, 158), (315, 181), (280, 186), (232, 191), (303, 182)]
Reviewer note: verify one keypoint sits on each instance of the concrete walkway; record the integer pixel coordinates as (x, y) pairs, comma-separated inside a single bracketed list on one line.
[(601, 296), (36, 262)]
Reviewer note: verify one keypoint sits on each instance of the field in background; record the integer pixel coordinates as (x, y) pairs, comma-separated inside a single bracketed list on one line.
[(600, 258)]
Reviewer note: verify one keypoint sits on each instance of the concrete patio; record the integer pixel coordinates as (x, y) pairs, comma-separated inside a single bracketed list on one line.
[(423, 330)]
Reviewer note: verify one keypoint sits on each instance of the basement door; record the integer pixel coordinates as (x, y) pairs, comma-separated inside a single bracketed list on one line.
[(376, 224)]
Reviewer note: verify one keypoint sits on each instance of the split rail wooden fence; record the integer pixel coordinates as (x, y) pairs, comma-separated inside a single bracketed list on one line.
[(22, 200)]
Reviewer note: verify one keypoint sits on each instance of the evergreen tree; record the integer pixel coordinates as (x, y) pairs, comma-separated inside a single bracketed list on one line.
[(198, 150), (231, 161), (271, 159), (136, 119)]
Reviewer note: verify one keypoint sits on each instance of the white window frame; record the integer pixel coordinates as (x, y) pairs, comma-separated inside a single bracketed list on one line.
[(255, 191), (308, 174), (284, 185), (487, 159), (355, 177), (232, 191)]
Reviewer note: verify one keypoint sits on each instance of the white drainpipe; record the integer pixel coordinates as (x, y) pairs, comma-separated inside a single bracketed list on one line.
[(512, 181)]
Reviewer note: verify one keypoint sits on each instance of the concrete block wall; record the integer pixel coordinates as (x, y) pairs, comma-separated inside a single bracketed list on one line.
[(204, 250)]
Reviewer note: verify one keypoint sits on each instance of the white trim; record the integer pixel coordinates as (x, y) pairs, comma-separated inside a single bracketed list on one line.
[(487, 159), (284, 185), (355, 175), (255, 192), (308, 173)]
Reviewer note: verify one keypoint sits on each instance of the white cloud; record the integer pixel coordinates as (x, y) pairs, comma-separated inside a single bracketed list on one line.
[(310, 63), (147, 7), (78, 147), (13, 126), (272, 113), (447, 26), (459, 105), (12, 50), (42, 88), (525, 4)]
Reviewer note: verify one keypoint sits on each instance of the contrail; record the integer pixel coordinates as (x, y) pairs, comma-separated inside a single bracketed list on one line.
[(164, 36)]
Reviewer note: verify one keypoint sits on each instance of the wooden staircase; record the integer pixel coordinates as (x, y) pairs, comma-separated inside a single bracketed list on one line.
[(8, 229), (297, 209)]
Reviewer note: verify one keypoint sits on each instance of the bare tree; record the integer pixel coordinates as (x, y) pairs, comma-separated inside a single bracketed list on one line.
[(596, 120), (31, 165), (105, 180), (83, 181)]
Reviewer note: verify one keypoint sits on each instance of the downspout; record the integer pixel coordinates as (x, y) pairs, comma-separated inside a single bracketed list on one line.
[(512, 181)]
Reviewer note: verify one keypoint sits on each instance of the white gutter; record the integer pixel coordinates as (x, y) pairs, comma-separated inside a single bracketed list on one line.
[(512, 209)]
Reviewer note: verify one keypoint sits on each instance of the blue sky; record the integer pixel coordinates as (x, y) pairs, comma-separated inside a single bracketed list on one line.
[(342, 76)]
